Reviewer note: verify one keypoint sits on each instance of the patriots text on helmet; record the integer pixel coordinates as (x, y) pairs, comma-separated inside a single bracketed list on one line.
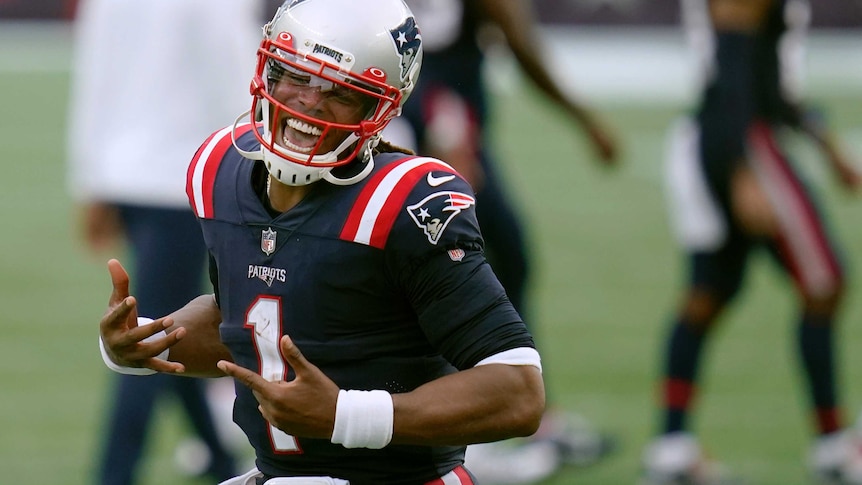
[(328, 51)]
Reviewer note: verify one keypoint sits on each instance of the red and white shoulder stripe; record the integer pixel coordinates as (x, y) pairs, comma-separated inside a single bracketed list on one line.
[(202, 171), (375, 210)]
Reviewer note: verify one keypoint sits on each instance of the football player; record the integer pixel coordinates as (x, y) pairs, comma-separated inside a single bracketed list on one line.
[(369, 338), (734, 189)]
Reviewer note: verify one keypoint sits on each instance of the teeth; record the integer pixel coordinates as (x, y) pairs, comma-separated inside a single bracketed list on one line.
[(304, 127), (295, 147)]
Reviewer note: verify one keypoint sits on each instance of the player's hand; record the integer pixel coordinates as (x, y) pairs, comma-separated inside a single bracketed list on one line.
[(304, 406), (604, 143), (121, 335), (751, 205), (849, 177), (845, 172), (101, 226)]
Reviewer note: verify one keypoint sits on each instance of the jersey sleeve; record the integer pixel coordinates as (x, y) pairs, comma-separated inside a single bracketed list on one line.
[(436, 254), (212, 270)]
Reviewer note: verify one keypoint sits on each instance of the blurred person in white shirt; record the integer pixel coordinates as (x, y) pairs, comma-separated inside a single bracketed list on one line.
[(150, 80)]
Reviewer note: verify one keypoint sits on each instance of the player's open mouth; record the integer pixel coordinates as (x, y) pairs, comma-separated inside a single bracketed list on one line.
[(299, 136)]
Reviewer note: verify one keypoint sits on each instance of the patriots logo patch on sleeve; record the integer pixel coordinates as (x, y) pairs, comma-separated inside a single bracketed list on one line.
[(436, 211)]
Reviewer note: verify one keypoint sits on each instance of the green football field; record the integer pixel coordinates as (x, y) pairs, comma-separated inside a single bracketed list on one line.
[(606, 278)]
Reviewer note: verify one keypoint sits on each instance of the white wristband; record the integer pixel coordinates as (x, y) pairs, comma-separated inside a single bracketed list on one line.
[(363, 419), (134, 371)]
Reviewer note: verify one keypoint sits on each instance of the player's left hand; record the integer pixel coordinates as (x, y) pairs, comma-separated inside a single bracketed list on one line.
[(304, 406), (846, 173), (604, 143)]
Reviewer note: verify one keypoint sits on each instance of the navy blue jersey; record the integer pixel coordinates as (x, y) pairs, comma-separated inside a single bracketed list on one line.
[(382, 285)]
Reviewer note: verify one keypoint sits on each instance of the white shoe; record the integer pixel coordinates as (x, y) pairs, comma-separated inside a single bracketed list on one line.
[(512, 462), (677, 459), (836, 459), (578, 442), (192, 457)]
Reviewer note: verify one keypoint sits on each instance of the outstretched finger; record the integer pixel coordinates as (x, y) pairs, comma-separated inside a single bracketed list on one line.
[(248, 378), (119, 281), (294, 357)]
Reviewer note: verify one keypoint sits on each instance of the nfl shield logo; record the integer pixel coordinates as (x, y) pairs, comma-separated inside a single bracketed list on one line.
[(456, 254), (267, 241)]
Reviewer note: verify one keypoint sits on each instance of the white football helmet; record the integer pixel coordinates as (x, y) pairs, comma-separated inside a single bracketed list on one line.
[(365, 53)]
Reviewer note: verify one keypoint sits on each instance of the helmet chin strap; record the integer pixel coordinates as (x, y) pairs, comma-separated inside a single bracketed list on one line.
[(367, 158), (368, 161), (256, 155)]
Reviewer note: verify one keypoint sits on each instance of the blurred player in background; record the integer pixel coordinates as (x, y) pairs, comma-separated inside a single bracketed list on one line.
[(447, 118), (150, 80), (733, 189)]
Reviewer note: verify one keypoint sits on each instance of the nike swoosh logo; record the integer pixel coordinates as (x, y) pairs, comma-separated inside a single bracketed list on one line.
[(438, 181)]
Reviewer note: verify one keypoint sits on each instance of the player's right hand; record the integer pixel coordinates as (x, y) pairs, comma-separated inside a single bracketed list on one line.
[(304, 406), (123, 338)]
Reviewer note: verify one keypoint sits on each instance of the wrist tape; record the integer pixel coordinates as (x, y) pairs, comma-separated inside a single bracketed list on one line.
[(363, 419), (134, 371)]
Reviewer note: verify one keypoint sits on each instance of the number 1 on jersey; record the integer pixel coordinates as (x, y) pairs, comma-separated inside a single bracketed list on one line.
[(264, 318)]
